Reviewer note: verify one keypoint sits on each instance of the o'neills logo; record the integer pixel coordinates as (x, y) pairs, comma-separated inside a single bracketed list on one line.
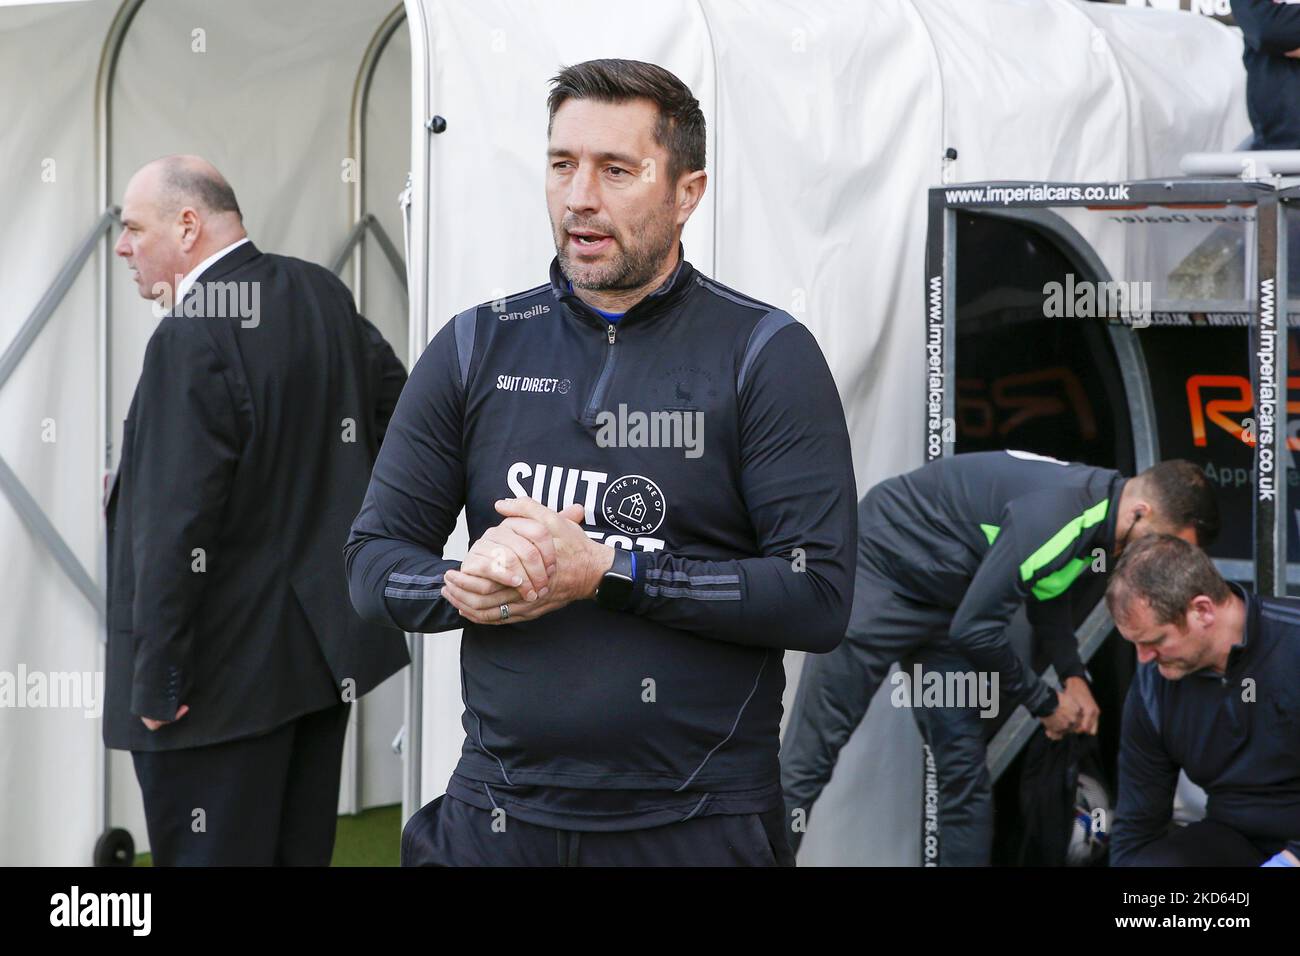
[(528, 313)]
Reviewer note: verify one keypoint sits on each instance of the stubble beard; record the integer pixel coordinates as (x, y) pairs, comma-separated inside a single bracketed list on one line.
[(632, 266)]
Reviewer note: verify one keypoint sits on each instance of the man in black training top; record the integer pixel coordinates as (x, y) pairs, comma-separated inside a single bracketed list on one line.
[(678, 509), (946, 554), (1216, 695)]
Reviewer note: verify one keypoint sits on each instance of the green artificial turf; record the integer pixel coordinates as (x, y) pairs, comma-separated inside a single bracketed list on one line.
[(371, 838)]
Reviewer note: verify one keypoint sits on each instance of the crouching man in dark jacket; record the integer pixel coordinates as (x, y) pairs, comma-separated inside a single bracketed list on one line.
[(1217, 695), (946, 555)]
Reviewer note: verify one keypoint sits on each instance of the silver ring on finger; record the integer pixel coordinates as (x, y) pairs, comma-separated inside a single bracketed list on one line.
[(505, 612)]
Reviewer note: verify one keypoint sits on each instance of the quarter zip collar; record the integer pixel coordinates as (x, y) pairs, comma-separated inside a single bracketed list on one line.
[(661, 300)]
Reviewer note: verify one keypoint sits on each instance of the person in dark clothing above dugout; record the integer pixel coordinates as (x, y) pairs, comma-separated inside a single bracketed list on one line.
[(1271, 31), (1217, 695)]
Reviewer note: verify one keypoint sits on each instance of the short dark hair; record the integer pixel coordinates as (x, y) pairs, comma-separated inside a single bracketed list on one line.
[(186, 184), (1185, 497), (1166, 572), (680, 128)]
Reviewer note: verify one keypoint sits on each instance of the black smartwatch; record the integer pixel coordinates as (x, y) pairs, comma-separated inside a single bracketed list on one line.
[(1048, 706), (615, 590)]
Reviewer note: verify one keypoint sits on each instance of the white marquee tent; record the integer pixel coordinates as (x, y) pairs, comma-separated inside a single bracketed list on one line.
[(827, 123)]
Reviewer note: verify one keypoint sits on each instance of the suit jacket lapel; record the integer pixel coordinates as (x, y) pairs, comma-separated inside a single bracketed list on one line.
[(223, 266), (228, 263)]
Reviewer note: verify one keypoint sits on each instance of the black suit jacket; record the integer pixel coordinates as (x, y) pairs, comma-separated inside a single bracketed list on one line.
[(245, 456)]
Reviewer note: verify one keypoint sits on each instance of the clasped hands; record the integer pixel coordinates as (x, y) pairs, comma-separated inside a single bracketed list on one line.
[(1076, 713), (534, 562)]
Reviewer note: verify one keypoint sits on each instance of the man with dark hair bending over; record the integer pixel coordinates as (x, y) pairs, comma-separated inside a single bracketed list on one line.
[(946, 555), (1216, 696)]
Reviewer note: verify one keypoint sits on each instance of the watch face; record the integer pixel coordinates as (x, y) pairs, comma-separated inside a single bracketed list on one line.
[(614, 590)]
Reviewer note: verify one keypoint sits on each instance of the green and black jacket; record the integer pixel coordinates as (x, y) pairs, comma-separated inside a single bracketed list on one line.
[(986, 532)]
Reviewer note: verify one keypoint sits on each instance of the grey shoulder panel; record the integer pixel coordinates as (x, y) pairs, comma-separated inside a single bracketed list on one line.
[(763, 331), (526, 293), (466, 325), (1147, 687)]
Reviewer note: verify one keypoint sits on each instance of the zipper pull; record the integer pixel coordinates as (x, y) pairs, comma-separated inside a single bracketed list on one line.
[(611, 333)]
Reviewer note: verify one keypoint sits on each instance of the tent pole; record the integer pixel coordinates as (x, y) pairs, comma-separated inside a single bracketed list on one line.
[(353, 239), (717, 132), (357, 136), (104, 451), (357, 150), (36, 520), (417, 269)]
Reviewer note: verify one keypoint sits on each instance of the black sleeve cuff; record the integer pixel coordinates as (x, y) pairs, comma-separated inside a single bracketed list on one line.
[(1042, 701)]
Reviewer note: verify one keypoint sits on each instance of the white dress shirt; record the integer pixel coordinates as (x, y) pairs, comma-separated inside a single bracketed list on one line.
[(197, 271)]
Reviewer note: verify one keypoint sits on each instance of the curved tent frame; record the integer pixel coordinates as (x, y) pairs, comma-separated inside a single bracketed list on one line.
[(99, 238)]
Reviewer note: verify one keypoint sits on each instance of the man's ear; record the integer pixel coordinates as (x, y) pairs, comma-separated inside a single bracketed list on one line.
[(191, 227), (1202, 612), (690, 190)]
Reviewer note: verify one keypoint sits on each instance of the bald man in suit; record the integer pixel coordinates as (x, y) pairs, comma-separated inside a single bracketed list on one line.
[(233, 651)]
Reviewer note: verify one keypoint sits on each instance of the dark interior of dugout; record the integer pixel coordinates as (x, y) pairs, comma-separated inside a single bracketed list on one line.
[(1065, 388)]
